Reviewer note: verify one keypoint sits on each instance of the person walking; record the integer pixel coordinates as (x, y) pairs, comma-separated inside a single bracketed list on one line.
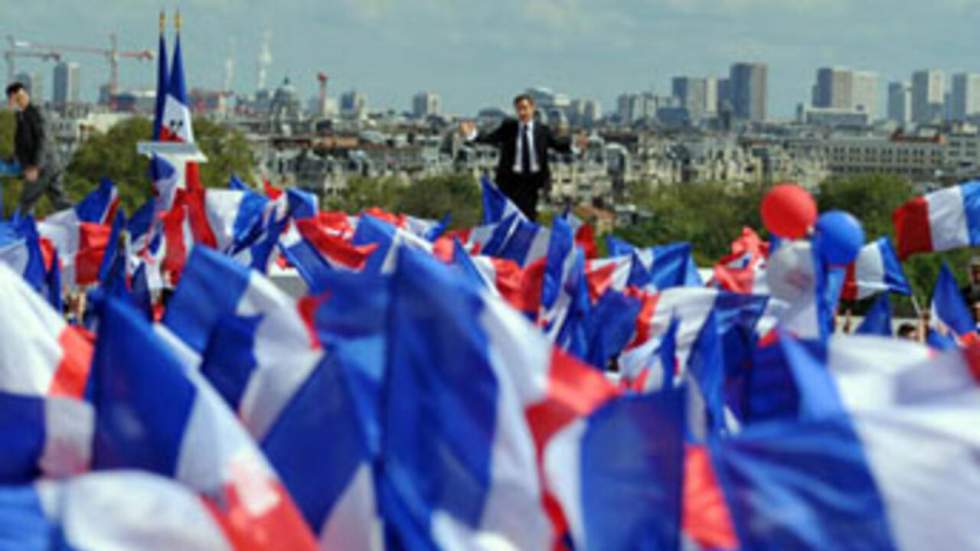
[(35, 153)]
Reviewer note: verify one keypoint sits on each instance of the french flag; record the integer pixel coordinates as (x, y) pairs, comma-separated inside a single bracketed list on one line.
[(235, 217), (939, 221), (98, 207), (256, 346), (584, 234), (496, 205), (874, 472), (54, 360), (519, 287), (657, 268), (611, 274), (878, 318), (176, 123), (876, 270), (110, 510), (517, 466), (858, 371), (166, 180), (389, 241), (163, 79), (743, 271), (474, 240), (430, 230), (46, 428), (691, 308), (321, 451), (156, 413), (264, 360), (564, 291), (313, 249), (80, 234), (302, 204), (22, 250), (212, 288), (518, 239), (668, 265), (950, 314)]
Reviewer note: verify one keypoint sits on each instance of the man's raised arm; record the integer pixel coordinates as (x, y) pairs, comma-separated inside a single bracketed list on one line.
[(468, 130)]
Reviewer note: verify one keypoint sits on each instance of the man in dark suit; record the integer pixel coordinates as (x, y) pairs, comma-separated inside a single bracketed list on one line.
[(524, 144), (35, 152)]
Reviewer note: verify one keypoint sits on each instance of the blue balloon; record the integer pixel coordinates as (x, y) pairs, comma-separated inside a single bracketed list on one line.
[(838, 237)]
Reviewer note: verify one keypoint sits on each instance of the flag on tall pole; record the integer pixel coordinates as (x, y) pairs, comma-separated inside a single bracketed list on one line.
[(162, 79), (176, 120)]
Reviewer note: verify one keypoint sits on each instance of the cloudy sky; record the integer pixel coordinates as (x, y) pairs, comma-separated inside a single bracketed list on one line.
[(479, 52)]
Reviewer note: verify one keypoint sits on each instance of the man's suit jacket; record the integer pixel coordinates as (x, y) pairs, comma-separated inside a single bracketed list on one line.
[(30, 138), (505, 138)]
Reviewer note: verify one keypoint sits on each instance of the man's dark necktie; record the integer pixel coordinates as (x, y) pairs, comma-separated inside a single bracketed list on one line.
[(525, 151)]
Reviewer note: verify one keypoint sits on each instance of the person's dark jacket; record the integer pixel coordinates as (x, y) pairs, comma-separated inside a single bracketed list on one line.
[(505, 138), (29, 137)]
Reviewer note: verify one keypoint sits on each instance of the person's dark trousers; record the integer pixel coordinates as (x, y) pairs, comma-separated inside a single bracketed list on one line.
[(49, 182), (523, 191)]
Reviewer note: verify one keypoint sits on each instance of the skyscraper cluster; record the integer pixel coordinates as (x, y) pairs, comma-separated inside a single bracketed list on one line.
[(927, 100)]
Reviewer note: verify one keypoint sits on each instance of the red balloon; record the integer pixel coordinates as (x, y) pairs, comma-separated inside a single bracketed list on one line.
[(788, 211)]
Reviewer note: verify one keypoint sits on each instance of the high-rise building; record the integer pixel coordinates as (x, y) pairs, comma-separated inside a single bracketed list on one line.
[(353, 104), (66, 83), (724, 102), (584, 111), (842, 88), (900, 102), (591, 111), (864, 93), (833, 88), (711, 95), (631, 108), (698, 95), (965, 97), (928, 96), (426, 104), (749, 90), (625, 107)]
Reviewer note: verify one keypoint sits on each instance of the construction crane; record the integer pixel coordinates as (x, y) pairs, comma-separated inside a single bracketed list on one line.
[(9, 56), (11, 52), (55, 51)]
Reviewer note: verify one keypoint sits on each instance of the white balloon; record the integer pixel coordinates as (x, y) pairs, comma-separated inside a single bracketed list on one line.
[(790, 272)]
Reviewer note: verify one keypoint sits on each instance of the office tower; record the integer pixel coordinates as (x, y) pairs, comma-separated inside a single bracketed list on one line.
[(749, 91)]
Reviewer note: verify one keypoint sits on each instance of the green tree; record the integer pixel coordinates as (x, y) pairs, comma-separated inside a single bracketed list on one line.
[(431, 197), (113, 155), (871, 198), (363, 193), (708, 215)]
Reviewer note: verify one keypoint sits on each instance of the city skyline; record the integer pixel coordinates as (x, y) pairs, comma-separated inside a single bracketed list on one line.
[(465, 51)]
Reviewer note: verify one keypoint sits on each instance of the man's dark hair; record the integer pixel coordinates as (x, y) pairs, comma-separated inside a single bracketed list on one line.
[(906, 330), (524, 97), (13, 88)]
